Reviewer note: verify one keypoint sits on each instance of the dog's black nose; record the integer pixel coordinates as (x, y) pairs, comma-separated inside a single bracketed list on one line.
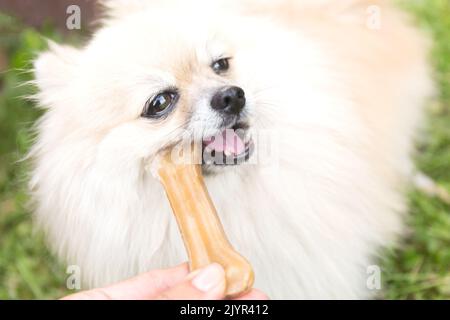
[(229, 100)]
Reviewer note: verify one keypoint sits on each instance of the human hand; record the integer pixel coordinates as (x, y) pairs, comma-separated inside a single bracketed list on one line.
[(170, 284)]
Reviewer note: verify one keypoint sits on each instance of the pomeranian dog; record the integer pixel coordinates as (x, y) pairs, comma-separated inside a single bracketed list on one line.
[(337, 86)]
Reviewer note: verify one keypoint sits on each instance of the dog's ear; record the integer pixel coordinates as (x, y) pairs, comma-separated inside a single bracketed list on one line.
[(54, 70)]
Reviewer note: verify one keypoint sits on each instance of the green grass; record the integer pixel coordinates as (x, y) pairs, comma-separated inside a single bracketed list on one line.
[(419, 269), (27, 270)]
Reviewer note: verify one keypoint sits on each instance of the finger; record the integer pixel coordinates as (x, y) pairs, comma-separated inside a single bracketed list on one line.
[(144, 286), (254, 294), (205, 284)]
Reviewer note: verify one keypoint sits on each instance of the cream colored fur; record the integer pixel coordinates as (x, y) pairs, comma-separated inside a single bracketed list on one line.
[(341, 99)]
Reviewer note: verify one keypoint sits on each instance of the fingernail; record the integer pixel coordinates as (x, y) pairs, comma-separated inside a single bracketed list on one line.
[(209, 277)]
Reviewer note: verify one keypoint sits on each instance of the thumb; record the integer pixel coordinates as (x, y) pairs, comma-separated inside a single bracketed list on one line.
[(207, 283)]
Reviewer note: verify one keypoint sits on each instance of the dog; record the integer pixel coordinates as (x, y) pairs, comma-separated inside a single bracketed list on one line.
[(337, 86)]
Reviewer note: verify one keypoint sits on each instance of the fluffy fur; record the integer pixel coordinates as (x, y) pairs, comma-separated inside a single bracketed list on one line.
[(341, 99)]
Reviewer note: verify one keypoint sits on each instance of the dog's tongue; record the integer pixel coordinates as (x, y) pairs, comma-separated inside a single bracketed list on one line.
[(228, 142)]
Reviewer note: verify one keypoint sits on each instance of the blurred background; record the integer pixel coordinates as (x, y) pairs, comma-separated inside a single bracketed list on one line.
[(418, 269)]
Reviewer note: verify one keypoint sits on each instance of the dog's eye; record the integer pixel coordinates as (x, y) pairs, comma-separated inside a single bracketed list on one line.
[(160, 105), (221, 65)]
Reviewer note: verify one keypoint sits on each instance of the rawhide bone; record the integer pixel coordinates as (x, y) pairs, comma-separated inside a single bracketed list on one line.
[(199, 224)]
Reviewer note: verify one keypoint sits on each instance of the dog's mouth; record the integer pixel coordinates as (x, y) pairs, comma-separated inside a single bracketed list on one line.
[(233, 146)]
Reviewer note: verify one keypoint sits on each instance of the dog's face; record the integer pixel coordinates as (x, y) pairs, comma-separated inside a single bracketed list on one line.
[(153, 78), (145, 82)]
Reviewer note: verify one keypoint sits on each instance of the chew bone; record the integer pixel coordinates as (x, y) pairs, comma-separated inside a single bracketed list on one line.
[(199, 224)]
